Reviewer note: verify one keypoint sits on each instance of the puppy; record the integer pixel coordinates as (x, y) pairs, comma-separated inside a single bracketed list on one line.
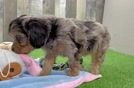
[(69, 37)]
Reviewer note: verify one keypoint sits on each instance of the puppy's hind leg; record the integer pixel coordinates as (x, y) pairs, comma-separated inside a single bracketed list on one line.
[(97, 60), (98, 54)]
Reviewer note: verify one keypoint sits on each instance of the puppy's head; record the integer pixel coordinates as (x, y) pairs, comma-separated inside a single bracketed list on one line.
[(28, 33)]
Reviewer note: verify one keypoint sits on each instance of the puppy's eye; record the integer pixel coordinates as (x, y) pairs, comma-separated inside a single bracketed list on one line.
[(21, 39)]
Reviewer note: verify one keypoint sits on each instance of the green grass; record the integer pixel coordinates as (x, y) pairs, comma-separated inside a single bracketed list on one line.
[(117, 70)]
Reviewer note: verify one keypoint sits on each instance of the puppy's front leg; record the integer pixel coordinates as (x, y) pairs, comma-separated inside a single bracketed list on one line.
[(48, 63), (74, 64)]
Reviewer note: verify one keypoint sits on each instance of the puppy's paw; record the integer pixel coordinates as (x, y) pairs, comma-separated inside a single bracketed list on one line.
[(42, 73), (72, 72), (94, 71)]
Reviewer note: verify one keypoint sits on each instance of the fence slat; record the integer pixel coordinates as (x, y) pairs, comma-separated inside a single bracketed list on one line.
[(49, 7), (1, 20), (94, 10), (71, 8), (22, 7), (99, 10), (36, 7), (10, 12), (57, 8), (90, 10), (81, 8)]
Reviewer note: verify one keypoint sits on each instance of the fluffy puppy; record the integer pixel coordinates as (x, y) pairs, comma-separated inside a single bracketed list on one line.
[(69, 37)]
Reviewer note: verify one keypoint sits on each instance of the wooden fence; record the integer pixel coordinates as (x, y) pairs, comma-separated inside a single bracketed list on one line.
[(80, 9)]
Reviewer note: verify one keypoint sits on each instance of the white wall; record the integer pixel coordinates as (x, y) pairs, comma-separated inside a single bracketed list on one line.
[(119, 18)]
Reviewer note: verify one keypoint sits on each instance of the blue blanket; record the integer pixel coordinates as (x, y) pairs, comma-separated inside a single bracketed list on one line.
[(57, 79)]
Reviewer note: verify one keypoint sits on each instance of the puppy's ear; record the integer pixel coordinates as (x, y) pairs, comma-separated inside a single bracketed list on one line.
[(23, 15), (37, 33), (16, 23)]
